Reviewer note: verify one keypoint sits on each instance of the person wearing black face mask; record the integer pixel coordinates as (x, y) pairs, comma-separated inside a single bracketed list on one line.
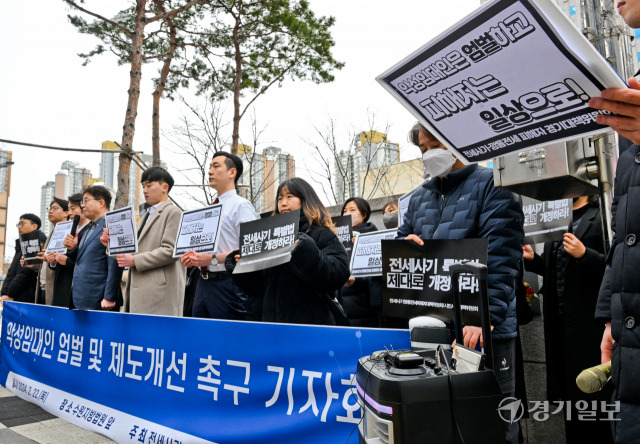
[(390, 214)]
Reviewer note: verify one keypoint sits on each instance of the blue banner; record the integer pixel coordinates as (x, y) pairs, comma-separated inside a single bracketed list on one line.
[(154, 379)]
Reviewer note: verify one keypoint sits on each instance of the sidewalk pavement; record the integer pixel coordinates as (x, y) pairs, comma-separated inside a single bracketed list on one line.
[(24, 423)]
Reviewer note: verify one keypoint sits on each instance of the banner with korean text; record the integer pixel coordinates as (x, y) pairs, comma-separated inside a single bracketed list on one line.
[(514, 74), (151, 379)]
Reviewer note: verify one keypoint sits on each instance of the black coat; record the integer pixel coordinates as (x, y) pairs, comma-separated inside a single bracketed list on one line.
[(64, 278), (20, 282), (619, 300), (359, 300), (572, 339), (295, 292)]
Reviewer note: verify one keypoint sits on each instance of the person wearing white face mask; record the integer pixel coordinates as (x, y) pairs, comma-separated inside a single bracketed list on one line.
[(461, 202)]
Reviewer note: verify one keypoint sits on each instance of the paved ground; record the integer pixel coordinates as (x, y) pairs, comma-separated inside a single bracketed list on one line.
[(24, 423)]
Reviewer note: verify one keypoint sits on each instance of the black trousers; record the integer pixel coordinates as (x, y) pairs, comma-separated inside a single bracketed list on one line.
[(219, 298)]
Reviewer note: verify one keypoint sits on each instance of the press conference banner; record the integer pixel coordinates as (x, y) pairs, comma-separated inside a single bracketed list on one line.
[(514, 74), (546, 221), (265, 243), (418, 282), (153, 379)]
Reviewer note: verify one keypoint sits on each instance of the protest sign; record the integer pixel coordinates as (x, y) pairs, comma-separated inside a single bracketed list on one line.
[(57, 237), (268, 242), (366, 259), (345, 232), (546, 221), (122, 231), (199, 230), (485, 75), (30, 246), (152, 379), (418, 282)]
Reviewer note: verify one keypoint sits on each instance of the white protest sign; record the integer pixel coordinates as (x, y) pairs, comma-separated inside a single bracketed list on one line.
[(122, 231), (366, 258), (199, 230), (57, 237), (513, 75)]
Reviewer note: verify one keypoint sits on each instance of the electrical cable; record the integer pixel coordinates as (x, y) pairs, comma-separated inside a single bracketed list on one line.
[(440, 350)]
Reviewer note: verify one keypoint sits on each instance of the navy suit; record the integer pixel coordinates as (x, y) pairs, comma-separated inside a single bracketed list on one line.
[(96, 276)]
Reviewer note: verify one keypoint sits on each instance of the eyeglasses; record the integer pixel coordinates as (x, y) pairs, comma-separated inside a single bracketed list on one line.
[(85, 200), (21, 223), (52, 208)]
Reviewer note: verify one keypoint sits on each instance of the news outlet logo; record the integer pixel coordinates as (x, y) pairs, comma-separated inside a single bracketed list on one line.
[(510, 410)]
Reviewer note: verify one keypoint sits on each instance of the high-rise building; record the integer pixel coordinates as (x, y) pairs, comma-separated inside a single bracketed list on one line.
[(279, 166), (346, 175), (263, 172), (108, 164), (70, 179), (370, 153), (47, 193), (5, 190)]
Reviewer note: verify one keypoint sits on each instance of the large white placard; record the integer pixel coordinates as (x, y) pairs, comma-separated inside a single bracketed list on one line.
[(512, 75), (122, 231), (57, 237), (199, 230)]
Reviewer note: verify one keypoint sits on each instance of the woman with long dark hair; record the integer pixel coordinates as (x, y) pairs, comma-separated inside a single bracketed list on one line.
[(296, 292), (361, 298)]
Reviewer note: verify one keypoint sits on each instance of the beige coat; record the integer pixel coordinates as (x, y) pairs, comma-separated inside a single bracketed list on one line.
[(156, 283)]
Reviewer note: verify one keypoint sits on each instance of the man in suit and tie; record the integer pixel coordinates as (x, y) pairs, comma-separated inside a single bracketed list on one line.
[(156, 279), (96, 277)]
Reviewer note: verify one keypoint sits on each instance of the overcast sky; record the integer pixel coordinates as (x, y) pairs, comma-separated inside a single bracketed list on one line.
[(49, 98)]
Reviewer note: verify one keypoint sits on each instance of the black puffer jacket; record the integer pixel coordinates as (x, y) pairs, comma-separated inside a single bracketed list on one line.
[(619, 299), (357, 300), (294, 292)]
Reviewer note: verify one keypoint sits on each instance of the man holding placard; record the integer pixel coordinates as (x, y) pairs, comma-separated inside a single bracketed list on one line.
[(20, 282), (461, 202), (58, 211), (62, 265), (216, 295), (156, 279)]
